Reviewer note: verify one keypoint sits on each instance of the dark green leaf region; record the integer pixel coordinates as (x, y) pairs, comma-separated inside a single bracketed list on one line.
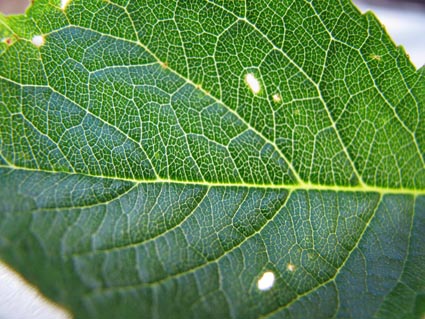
[(212, 159)]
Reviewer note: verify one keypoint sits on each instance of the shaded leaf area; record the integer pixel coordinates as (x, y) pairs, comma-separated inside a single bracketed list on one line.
[(142, 245), (142, 176)]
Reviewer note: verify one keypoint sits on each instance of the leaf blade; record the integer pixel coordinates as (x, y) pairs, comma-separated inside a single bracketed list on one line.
[(157, 178)]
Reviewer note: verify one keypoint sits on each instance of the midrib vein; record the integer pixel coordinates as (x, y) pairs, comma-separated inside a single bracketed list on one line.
[(301, 185), (294, 187)]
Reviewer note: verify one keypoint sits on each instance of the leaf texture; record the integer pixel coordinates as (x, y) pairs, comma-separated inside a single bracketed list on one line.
[(158, 157)]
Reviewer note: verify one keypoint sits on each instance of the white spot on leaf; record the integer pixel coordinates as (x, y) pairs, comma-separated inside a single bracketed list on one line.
[(64, 3), (252, 83), (290, 267), (38, 40), (277, 98), (266, 281)]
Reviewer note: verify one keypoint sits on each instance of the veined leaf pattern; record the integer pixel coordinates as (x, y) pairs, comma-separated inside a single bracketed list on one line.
[(162, 159)]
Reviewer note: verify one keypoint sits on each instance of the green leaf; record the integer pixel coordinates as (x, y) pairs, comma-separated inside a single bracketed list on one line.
[(161, 159)]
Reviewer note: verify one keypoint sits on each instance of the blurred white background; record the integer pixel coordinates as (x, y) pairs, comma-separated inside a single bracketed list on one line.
[(405, 24), (20, 301)]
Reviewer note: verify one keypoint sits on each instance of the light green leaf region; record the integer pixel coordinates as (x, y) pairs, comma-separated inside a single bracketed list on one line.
[(157, 158)]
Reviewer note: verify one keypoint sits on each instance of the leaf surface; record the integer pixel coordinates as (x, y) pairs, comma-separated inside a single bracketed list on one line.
[(157, 158)]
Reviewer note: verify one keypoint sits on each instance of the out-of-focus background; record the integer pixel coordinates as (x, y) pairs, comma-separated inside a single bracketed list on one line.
[(13, 6), (404, 21)]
